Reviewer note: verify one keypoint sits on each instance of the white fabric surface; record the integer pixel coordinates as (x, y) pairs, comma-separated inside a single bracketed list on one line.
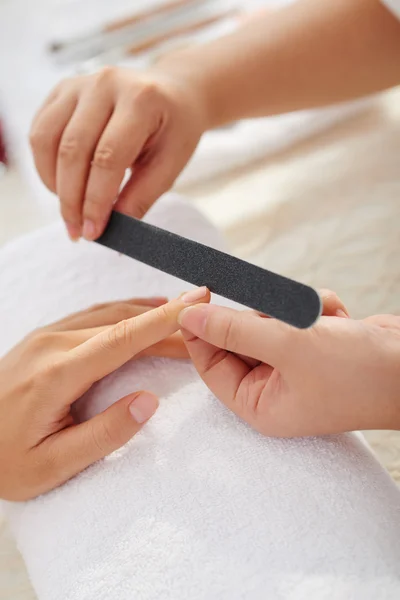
[(197, 505)]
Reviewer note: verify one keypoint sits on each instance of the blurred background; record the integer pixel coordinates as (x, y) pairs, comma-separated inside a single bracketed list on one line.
[(314, 195)]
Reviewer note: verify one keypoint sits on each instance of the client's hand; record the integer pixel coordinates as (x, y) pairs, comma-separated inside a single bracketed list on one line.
[(94, 127), (40, 445), (341, 375)]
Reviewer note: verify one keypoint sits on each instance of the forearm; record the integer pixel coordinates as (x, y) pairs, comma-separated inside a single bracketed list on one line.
[(308, 54)]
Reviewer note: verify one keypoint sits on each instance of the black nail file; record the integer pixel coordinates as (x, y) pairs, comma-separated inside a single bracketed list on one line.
[(225, 275)]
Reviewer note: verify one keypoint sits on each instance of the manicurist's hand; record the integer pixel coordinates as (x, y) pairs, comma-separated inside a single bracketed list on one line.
[(339, 376), (40, 444), (93, 128)]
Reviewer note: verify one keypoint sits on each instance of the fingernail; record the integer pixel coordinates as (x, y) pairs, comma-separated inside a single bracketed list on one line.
[(143, 407), (89, 230), (194, 295), (340, 313), (74, 232), (194, 318)]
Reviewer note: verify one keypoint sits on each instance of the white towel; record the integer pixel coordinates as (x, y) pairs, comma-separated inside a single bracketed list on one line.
[(197, 506)]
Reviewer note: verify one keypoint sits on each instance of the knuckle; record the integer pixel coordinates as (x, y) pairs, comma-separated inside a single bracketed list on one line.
[(230, 333), (94, 206), (105, 75), (70, 148), (106, 157), (164, 312), (147, 93), (55, 371), (102, 437), (41, 139), (123, 333), (41, 340)]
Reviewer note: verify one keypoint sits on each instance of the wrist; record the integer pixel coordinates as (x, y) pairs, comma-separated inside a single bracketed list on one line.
[(187, 70)]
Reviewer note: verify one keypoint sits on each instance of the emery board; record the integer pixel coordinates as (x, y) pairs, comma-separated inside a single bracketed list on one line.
[(276, 296)]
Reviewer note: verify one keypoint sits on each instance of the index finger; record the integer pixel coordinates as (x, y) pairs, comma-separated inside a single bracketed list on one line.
[(112, 348)]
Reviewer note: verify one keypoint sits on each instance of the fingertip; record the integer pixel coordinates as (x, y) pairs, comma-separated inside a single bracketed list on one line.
[(143, 407), (74, 231), (89, 230), (196, 295), (194, 318), (332, 305)]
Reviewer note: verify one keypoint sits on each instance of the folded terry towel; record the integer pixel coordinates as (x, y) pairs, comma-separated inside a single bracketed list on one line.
[(197, 506)]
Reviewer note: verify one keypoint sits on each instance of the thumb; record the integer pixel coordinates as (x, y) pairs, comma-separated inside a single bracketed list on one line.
[(242, 332), (149, 180), (215, 339), (332, 305), (83, 444)]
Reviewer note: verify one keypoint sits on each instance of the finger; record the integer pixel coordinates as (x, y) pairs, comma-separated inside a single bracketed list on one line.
[(75, 153), (220, 370), (172, 347), (52, 97), (240, 332), (149, 301), (106, 314), (238, 385), (111, 349), (46, 134), (121, 143), (149, 180), (72, 450), (332, 305), (250, 362)]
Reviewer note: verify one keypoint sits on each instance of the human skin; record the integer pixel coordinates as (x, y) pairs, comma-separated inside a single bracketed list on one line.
[(341, 375), (93, 128), (41, 446)]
